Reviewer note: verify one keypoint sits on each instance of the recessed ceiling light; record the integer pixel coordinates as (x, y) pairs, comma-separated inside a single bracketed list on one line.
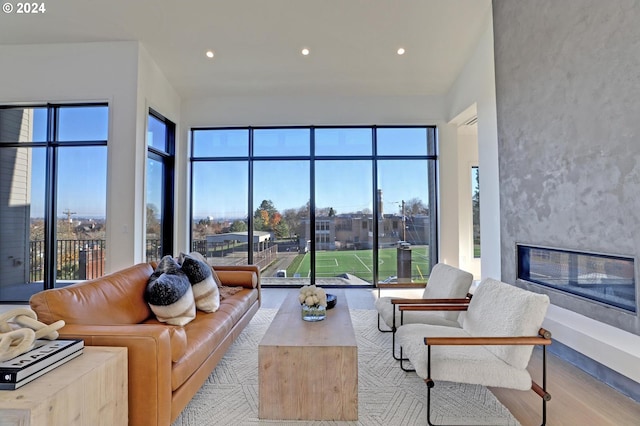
[(401, 51), (305, 51), (209, 53)]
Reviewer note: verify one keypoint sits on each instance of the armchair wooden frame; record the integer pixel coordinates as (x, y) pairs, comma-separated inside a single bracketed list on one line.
[(543, 339)]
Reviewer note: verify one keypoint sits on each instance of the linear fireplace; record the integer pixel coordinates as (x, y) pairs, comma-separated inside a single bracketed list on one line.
[(599, 286), (602, 278)]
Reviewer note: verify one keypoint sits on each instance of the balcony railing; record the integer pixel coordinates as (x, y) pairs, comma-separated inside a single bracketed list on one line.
[(84, 259), (76, 259)]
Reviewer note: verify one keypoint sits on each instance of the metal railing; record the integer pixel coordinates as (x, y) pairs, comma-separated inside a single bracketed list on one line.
[(84, 259), (76, 259)]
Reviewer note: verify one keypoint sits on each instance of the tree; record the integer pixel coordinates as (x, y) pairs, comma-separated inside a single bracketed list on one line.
[(153, 221), (475, 205), (238, 226), (414, 207), (275, 219), (266, 217), (332, 212), (281, 230)]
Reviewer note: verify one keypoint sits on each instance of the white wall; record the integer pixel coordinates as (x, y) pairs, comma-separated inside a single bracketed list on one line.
[(306, 110), (155, 91), (80, 73), (448, 202), (467, 158), (476, 85)]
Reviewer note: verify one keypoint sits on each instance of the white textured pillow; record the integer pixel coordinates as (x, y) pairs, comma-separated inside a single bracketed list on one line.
[(170, 297), (205, 289)]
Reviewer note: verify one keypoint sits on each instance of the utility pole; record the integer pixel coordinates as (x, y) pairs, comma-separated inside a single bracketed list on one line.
[(404, 224), (68, 212)]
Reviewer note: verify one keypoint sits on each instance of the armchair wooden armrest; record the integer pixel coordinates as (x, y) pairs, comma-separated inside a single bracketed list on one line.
[(543, 338), (428, 301), (442, 307)]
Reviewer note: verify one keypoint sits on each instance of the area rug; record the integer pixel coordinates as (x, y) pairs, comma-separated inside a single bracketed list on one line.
[(387, 396)]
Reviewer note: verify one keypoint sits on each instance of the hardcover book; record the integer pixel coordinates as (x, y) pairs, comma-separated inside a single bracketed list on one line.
[(44, 354), (16, 385)]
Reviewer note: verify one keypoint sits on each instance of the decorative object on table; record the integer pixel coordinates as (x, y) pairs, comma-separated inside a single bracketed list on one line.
[(332, 299), (19, 329), (314, 303), (44, 357)]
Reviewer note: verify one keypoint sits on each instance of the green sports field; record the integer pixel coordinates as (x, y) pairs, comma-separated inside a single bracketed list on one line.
[(360, 263)]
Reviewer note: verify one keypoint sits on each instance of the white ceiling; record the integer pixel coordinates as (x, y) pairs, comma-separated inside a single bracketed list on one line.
[(257, 43)]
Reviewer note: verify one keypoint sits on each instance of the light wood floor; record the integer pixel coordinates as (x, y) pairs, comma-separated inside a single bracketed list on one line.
[(576, 397)]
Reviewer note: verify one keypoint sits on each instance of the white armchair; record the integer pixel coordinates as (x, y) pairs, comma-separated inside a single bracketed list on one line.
[(446, 285), (493, 347)]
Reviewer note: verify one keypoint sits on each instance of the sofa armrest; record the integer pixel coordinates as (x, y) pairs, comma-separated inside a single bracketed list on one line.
[(149, 365), (247, 276)]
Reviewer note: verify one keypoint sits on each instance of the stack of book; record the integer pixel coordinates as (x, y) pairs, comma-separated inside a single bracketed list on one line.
[(44, 357)]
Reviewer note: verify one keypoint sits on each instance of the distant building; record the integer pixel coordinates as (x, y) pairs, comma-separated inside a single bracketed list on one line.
[(355, 231)]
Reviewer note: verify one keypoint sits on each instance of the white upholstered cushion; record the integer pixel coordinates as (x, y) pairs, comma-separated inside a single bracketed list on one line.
[(385, 308), (464, 364), (500, 309), (445, 282)]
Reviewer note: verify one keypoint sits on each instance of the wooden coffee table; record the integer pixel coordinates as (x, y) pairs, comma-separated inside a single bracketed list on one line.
[(309, 370)]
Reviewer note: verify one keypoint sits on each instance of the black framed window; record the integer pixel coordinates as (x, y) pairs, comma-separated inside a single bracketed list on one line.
[(305, 199), (160, 184), (53, 167)]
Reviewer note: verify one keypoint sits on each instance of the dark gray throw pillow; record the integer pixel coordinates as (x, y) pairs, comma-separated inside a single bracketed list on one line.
[(169, 293)]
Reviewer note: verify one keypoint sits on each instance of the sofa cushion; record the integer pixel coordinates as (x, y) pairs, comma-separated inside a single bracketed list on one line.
[(208, 331), (205, 289), (169, 293)]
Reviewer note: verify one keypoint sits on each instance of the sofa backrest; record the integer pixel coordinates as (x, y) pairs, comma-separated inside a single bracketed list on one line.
[(117, 298), (504, 310), (447, 282)]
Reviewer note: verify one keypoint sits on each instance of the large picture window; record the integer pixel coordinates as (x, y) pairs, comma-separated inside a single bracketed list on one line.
[(53, 161), (330, 205), (160, 184)]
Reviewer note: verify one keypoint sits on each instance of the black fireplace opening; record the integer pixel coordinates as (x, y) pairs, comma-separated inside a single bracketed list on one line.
[(604, 278)]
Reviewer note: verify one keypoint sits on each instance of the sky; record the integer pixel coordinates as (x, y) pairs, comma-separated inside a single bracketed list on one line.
[(220, 189), (82, 171)]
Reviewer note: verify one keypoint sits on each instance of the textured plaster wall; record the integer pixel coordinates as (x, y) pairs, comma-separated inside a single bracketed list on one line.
[(568, 109)]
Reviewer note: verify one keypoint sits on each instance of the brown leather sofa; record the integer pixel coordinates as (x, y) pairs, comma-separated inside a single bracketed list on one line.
[(167, 364)]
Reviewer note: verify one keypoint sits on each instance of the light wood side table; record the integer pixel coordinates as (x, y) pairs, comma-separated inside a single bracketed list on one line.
[(88, 390)]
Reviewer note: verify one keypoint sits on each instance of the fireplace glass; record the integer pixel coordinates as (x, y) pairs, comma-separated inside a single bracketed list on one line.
[(603, 278)]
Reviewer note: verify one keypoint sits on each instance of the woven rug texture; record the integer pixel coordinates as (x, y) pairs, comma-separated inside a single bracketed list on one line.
[(387, 396)]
